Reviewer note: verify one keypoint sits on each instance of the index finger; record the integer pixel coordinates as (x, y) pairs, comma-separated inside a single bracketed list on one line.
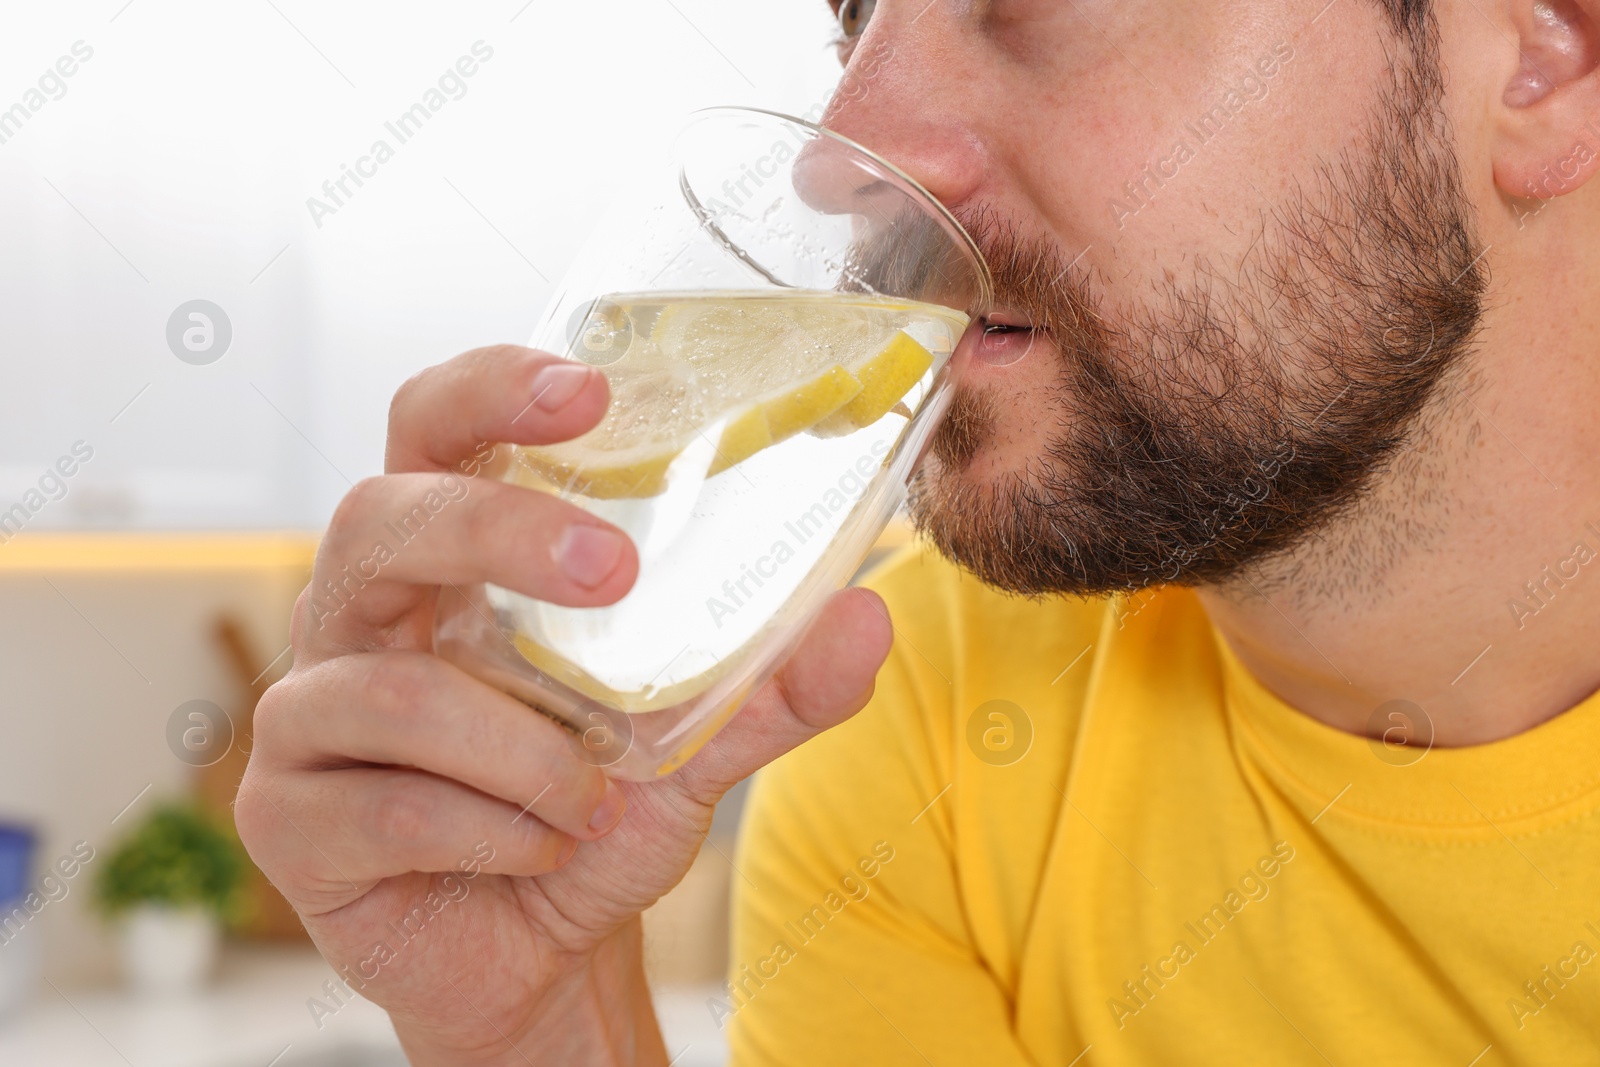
[(447, 413)]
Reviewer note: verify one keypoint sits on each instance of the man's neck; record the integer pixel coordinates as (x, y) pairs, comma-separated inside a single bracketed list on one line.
[(1467, 582)]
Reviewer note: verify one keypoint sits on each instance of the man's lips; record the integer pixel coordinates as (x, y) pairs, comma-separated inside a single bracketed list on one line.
[(999, 338), (1003, 319)]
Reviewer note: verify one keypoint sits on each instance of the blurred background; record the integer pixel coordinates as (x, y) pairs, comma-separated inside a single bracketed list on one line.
[(199, 334)]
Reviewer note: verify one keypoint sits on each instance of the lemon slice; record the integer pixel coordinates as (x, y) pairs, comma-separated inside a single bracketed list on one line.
[(628, 454), (738, 373), (783, 416), (885, 378)]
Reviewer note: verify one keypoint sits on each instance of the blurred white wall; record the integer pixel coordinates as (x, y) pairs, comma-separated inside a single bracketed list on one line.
[(175, 164)]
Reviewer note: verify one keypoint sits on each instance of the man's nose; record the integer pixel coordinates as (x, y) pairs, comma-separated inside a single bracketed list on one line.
[(898, 100)]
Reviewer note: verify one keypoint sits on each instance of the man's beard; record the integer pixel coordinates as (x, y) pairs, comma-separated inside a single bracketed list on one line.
[(1225, 421)]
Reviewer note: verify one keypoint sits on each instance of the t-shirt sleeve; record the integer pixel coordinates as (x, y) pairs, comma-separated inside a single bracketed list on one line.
[(850, 942)]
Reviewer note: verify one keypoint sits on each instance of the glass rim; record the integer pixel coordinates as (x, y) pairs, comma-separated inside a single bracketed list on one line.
[(963, 239)]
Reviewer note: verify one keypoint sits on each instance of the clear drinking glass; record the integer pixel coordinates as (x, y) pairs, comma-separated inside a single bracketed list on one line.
[(774, 314)]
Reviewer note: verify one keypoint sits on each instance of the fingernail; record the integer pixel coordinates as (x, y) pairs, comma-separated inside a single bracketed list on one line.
[(556, 385), (609, 813), (588, 554), (567, 853)]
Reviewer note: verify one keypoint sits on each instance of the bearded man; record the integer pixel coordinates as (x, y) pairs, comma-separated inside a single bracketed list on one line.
[(1238, 703)]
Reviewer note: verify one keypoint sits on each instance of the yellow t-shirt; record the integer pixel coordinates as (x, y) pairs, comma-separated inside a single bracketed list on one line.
[(1080, 832)]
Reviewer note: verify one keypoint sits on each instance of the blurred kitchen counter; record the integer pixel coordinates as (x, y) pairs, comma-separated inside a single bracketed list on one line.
[(144, 551), (256, 1012)]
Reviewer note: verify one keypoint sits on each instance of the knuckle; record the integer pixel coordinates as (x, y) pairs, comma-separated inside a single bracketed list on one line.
[(493, 522), (427, 387), (500, 355), (703, 780), (247, 809), (267, 718), (502, 364), (255, 818), (406, 399), (481, 735), (529, 362), (398, 687), (352, 510), (401, 817), (300, 618)]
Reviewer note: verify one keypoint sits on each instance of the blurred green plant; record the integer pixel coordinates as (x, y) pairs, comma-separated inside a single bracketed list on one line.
[(177, 857)]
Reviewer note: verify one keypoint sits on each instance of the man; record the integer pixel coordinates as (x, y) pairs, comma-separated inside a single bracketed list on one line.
[(1283, 428)]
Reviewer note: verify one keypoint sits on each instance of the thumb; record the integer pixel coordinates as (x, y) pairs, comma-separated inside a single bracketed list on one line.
[(828, 678)]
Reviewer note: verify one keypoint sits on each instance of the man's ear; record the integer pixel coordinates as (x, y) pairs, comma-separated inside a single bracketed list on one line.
[(1548, 133)]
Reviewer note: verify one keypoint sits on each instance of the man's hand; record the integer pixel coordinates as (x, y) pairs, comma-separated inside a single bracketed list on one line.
[(447, 848)]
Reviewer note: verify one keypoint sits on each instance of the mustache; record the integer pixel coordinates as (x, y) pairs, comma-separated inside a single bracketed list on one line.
[(912, 256), (1033, 276)]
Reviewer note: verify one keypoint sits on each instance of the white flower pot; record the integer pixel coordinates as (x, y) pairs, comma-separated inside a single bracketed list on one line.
[(168, 950), (21, 962)]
